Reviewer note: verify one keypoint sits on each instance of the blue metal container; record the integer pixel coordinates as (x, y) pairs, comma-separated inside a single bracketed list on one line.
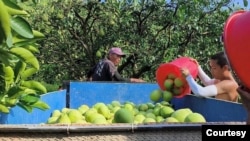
[(213, 110), (17, 115), (92, 92)]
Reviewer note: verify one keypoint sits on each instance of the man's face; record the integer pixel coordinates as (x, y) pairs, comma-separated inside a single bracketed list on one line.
[(115, 59), (215, 69)]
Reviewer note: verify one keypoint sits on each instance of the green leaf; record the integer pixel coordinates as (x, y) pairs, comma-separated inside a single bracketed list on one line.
[(26, 56), (27, 73), (23, 42), (11, 102), (27, 108), (36, 1), (12, 5), (4, 109), (15, 92), (35, 85), (8, 74), (38, 34), (33, 48), (22, 27), (29, 99), (9, 41), (19, 69), (41, 105), (5, 57)]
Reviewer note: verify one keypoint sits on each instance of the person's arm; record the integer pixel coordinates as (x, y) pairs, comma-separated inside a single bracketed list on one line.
[(198, 90), (118, 77), (205, 79)]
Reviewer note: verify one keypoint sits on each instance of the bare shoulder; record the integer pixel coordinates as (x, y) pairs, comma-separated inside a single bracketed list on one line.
[(227, 84)]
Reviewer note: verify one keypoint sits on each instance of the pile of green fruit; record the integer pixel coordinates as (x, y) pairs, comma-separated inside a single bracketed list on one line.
[(126, 112), (174, 84)]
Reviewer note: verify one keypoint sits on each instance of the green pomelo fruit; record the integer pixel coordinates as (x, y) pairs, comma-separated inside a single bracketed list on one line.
[(139, 118), (150, 115), (135, 111), (115, 103), (156, 95), (149, 120), (181, 114), (74, 115), (100, 121), (99, 104), (195, 117), (143, 107), (89, 112), (156, 111), (56, 113), (83, 108), (171, 76), (63, 119), (168, 84), (110, 106), (128, 106), (95, 116), (142, 112), (158, 104), (171, 119), (129, 102), (115, 109), (52, 120), (98, 54), (104, 110), (81, 121), (178, 91), (65, 110), (165, 103), (167, 96), (179, 82), (159, 119), (166, 111), (123, 116), (150, 105), (150, 111)]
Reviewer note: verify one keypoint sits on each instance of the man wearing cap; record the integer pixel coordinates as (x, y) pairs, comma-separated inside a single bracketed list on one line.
[(106, 69)]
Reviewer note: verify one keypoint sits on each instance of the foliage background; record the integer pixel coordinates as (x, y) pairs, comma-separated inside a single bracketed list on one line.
[(79, 33)]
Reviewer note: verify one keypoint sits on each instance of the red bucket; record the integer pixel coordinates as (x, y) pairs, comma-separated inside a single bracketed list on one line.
[(174, 68), (237, 44)]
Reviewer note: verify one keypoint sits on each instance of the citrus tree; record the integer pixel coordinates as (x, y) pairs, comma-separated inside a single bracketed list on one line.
[(80, 33), (18, 62)]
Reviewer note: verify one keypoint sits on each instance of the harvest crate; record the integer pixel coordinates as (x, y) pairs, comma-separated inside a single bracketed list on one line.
[(89, 93), (20, 125), (92, 92)]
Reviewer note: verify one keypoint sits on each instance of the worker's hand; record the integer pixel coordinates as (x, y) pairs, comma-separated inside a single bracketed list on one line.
[(185, 72), (195, 61), (136, 80)]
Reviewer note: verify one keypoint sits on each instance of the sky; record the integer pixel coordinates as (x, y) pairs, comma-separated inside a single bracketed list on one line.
[(240, 3)]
